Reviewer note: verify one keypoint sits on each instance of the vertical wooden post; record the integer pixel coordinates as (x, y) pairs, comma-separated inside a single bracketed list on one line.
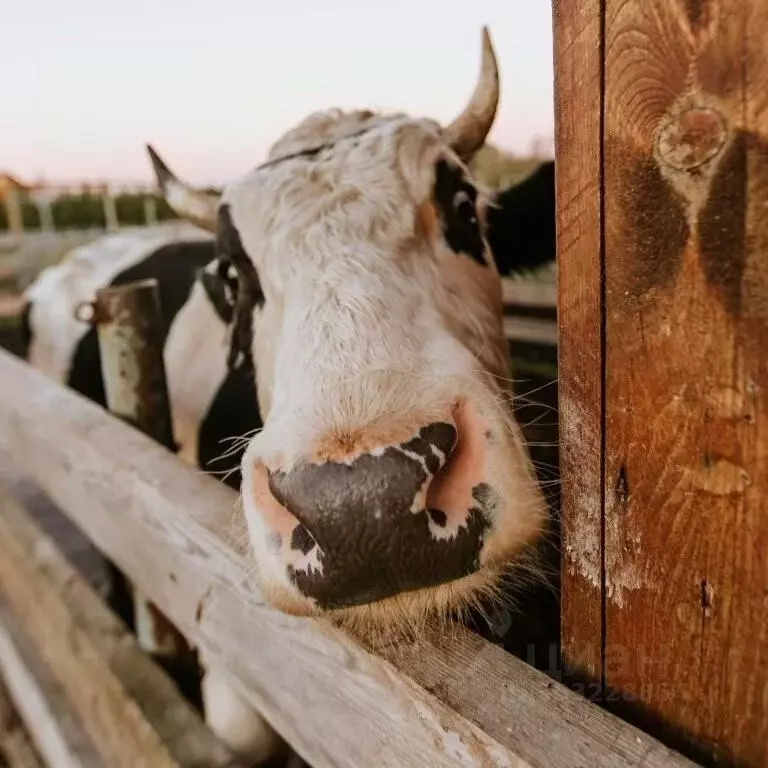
[(13, 208), (130, 335), (578, 72), (150, 211), (45, 211), (683, 273), (110, 212)]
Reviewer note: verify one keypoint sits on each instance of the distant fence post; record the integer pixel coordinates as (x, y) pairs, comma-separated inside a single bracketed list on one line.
[(45, 211), (129, 325), (13, 207), (110, 212), (150, 211)]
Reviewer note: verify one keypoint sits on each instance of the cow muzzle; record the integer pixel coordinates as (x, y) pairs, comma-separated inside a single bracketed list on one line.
[(369, 525)]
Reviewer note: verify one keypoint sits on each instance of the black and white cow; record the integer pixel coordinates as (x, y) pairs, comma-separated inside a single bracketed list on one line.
[(349, 309), (191, 294)]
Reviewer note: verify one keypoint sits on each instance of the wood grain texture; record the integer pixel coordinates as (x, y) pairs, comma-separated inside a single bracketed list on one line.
[(578, 73), (686, 466), (130, 709), (41, 701), (445, 701)]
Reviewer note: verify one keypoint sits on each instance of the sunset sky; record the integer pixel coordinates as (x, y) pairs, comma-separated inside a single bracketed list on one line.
[(213, 83)]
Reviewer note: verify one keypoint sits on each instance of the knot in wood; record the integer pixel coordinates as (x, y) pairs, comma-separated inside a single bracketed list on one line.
[(692, 138)]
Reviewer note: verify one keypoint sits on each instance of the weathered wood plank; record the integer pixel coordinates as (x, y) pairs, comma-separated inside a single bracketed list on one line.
[(531, 329), (578, 115), (129, 708), (528, 293), (444, 701), (686, 464), (41, 701), (69, 538)]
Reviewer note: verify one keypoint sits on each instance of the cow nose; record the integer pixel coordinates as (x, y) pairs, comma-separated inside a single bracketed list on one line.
[(398, 518)]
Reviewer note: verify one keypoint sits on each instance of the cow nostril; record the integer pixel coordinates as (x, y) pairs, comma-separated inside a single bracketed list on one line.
[(301, 539), (452, 491)]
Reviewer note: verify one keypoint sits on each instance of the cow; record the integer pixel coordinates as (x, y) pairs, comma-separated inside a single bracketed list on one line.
[(345, 322), (191, 294)]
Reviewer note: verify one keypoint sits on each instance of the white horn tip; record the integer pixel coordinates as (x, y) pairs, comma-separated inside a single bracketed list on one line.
[(487, 42)]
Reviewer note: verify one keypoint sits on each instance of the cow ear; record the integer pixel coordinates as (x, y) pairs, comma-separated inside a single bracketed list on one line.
[(521, 223)]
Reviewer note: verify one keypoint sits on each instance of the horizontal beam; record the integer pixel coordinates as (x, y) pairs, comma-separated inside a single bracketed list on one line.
[(438, 701), (130, 709), (529, 293), (534, 330)]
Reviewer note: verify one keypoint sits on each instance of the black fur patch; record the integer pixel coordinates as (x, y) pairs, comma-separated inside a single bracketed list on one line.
[(454, 198), (521, 224), (233, 411)]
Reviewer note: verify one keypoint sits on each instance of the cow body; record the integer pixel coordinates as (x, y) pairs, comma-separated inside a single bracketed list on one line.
[(350, 314), (209, 403)]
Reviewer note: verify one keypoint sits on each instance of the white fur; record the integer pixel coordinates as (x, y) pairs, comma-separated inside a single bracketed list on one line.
[(196, 364)]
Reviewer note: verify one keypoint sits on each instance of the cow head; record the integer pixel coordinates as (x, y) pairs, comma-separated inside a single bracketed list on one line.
[(390, 478)]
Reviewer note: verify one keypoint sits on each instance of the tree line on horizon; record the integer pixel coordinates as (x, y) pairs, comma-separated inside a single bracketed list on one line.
[(492, 166)]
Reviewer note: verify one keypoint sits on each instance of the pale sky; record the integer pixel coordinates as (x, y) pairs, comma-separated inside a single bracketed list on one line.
[(211, 83)]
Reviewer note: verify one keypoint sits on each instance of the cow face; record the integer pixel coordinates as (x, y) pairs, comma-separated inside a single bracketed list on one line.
[(390, 478)]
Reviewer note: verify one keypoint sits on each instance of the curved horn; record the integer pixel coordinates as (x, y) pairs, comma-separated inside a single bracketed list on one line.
[(467, 132), (189, 203)]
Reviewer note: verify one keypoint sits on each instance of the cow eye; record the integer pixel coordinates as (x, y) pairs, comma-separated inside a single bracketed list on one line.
[(229, 278), (465, 206)]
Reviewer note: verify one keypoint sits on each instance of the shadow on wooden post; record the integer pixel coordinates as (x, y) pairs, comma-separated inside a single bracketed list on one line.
[(129, 327)]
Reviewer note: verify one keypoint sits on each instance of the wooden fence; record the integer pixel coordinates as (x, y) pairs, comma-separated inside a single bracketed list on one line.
[(452, 700), (662, 185), (43, 201)]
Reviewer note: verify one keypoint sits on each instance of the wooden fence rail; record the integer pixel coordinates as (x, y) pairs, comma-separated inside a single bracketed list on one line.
[(438, 701), (130, 710)]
